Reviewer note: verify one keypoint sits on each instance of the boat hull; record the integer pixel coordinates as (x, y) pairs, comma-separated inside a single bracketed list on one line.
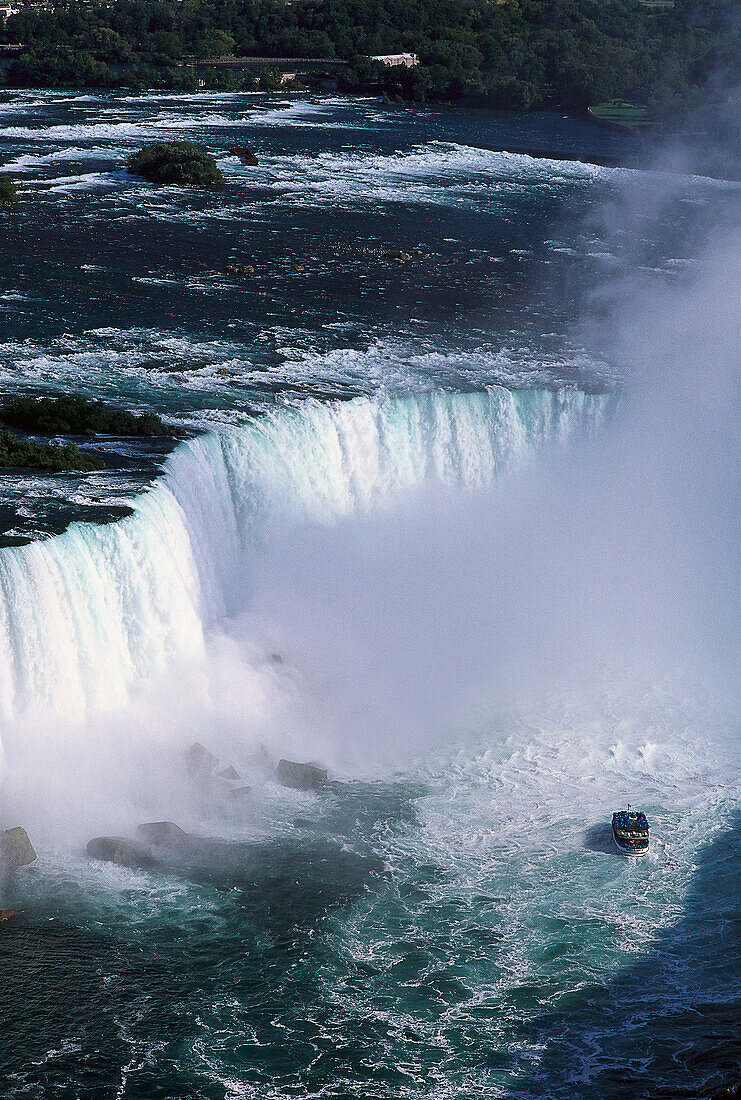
[(632, 852)]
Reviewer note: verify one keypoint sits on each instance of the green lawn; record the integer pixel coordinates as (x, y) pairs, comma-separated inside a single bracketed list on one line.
[(619, 112)]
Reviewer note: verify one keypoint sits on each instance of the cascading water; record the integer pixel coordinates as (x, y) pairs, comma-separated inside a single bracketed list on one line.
[(86, 614)]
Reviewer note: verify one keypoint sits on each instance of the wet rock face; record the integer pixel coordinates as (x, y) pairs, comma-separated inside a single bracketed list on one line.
[(301, 777), (160, 832), (16, 850), (201, 763), (117, 849), (210, 778)]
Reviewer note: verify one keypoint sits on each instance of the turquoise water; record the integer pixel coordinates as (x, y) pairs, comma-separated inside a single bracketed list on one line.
[(481, 509)]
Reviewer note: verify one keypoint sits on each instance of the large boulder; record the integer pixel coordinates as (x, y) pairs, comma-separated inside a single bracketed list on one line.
[(161, 833), (126, 853), (301, 777), (16, 850), (201, 763)]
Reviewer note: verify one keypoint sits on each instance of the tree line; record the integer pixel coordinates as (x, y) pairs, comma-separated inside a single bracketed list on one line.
[(520, 54)]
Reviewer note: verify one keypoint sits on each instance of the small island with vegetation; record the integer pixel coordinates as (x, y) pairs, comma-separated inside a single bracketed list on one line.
[(67, 414), (72, 414), (18, 453), (176, 164), (8, 193)]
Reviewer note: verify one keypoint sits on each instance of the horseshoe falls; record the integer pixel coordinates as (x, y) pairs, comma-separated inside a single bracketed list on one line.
[(97, 608), (449, 512)]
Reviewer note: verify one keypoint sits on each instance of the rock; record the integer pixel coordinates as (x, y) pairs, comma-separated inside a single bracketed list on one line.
[(240, 269), (398, 256), (276, 658), (240, 792), (16, 850), (245, 154), (262, 759), (297, 269), (117, 849), (301, 777), (201, 762), (8, 914), (230, 774), (160, 833)]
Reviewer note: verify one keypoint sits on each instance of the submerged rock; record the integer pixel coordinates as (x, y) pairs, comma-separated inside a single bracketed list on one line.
[(245, 154), (126, 853), (8, 914), (160, 833), (398, 256), (16, 850), (301, 777), (240, 269)]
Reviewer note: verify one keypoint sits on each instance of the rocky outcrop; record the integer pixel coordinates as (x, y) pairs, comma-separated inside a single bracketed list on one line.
[(161, 833), (119, 850), (16, 850), (398, 256), (201, 763), (240, 270), (300, 777), (245, 154), (210, 777)]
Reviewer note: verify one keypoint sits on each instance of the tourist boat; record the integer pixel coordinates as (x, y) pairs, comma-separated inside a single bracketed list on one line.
[(630, 832)]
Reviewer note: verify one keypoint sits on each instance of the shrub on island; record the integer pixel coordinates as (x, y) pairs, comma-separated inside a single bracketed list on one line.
[(71, 414), (25, 454), (8, 193), (176, 164)]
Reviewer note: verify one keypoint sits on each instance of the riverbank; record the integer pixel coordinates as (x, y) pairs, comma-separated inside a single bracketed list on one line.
[(503, 56)]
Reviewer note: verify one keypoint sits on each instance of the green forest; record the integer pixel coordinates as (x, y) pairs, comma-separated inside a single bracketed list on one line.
[(520, 54)]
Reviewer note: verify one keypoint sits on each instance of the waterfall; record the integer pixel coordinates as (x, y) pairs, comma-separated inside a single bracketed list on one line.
[(86, 614)]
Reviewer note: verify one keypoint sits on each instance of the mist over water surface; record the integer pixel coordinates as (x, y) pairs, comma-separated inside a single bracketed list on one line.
[(505, 606)]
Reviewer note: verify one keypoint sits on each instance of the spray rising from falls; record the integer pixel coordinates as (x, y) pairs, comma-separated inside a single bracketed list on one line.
[(87, 614)]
